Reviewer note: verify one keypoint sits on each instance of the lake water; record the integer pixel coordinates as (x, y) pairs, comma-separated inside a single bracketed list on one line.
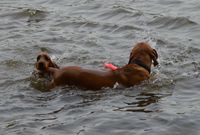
[(89, 33)]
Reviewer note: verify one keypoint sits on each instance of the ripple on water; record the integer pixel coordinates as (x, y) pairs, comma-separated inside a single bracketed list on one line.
[(118, 12), (172, 22), (88, 33), (32, 15)]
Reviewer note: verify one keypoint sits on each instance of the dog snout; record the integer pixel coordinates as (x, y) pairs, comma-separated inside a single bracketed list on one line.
[(41, 66)]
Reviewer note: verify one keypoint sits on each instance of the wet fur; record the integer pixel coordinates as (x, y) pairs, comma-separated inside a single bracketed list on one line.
[(128, 75)]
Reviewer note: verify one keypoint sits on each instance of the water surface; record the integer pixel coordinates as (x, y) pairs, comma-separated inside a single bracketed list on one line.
[(89, 33)]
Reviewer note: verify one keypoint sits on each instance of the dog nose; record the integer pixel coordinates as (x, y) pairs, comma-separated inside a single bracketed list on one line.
[(41, 66)]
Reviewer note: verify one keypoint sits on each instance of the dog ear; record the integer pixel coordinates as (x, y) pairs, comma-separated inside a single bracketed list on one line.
[(155, 53), (52, 70), (54, 65), (154, 56), (130, 58)]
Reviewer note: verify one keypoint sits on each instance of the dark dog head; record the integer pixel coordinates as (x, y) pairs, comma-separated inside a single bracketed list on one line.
[(43, 62), (144, 53)]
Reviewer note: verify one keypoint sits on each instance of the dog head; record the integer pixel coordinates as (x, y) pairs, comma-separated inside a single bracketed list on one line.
[(43, 62), (144, 53)]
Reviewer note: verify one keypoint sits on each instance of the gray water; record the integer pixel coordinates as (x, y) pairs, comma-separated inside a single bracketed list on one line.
[(89, 33)]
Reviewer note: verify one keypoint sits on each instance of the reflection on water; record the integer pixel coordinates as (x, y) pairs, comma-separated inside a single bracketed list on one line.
[(142, 103)]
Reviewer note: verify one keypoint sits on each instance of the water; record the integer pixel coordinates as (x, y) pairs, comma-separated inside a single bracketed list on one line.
[(89, 33)]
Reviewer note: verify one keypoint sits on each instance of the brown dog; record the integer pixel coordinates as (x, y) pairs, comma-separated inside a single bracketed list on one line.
[(137, 70), (43, 63), (40, 77)]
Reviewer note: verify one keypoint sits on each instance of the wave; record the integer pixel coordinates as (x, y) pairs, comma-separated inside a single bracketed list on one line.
[(172, 22), (33, 15)]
